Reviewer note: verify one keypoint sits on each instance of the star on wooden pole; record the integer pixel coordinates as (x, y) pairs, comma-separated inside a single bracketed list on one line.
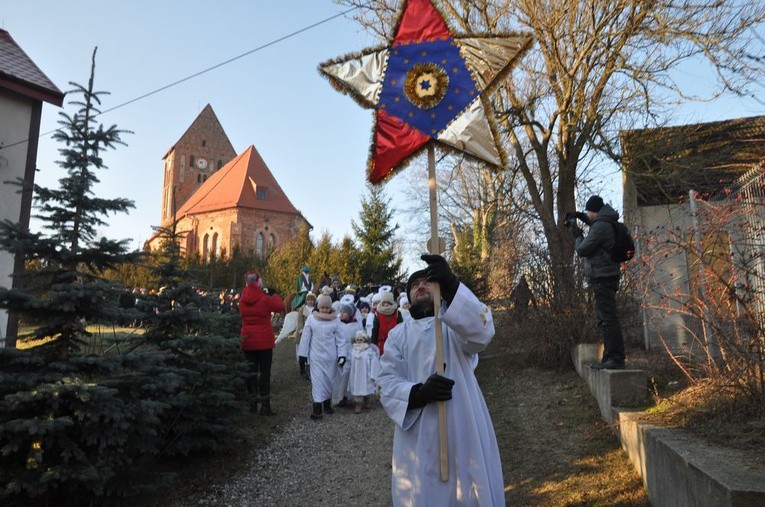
[(429, 86)]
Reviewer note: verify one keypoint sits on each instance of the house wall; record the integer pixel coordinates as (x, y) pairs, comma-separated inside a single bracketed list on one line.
[(669, 285), (16, 116)]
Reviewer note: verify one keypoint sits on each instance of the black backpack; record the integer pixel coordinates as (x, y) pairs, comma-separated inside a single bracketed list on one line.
[(624, 245)]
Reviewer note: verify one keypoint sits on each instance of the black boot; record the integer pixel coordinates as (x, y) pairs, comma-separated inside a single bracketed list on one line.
[(316, 414), (265, 408), (252, 397), (328, 407)]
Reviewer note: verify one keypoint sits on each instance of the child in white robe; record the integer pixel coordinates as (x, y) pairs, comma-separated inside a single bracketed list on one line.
[(347, 328), (324, 346), (365, 367)]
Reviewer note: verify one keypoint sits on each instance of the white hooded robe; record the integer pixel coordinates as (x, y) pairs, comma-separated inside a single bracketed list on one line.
[(322, 343), (340, 387), (365, 368), (475, 469)]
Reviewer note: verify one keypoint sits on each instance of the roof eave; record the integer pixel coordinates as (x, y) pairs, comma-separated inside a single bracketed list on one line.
[(55, 97)]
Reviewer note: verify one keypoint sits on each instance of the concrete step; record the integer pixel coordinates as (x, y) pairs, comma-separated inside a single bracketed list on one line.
[(612, 388), (678, 469)]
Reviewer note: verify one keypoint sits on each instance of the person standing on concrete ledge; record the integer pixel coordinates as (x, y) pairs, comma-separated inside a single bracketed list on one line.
[(410, 390), (603, 274)]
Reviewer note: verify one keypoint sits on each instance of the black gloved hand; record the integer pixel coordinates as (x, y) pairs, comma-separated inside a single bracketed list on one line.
[(438, 270), (581, 215), (577, 231), (436, 388), (341, 361)]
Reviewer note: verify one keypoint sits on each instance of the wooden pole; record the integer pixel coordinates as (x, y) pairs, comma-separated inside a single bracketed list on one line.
[(435, 247)]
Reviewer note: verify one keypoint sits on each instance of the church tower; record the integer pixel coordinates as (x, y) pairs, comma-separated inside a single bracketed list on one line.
[(200, 152)]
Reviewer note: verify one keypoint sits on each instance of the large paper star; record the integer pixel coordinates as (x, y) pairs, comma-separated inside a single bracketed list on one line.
[(428, 85)]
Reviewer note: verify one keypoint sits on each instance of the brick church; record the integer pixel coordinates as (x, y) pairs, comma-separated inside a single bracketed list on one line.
[(222, 200)]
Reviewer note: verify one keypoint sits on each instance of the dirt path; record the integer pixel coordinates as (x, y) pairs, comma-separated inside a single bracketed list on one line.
[(555, 448)]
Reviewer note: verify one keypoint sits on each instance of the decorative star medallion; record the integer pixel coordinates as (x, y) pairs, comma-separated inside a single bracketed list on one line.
[(428, 85)]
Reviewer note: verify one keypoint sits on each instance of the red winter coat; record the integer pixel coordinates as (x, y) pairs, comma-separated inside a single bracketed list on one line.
[(255, 307), (382, 326)]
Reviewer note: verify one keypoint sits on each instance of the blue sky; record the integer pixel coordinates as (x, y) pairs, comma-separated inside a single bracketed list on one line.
[(314, 139)]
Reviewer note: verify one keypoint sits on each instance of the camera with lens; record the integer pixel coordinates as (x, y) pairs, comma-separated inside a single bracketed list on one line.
[(570, 220)]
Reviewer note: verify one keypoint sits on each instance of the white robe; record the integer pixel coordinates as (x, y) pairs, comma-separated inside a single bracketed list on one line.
[(289, 326), (369, 323), (322, 343), (340, 387), (364, 371), (475, 470)]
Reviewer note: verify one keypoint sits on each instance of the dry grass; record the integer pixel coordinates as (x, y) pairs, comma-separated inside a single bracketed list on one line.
[(720, 415), (556, 449)]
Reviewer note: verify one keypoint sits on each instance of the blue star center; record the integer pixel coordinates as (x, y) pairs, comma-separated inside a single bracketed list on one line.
[(427, 85)]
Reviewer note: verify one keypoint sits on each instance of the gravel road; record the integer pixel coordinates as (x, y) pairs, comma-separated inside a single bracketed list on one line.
[(343, 459)]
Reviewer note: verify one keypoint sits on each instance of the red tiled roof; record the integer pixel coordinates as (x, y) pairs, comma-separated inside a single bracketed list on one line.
[(236, 185), (20, 74)]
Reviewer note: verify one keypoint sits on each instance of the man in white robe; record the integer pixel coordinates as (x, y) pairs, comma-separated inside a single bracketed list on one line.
[(410, 390)]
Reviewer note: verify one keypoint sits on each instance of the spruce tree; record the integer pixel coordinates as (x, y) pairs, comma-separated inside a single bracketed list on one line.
[(67, 290), (86, 429), (203, 371), (64, 434), (375, 234)]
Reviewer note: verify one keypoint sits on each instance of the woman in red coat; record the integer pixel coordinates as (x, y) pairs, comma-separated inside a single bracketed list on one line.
[(258, 341)]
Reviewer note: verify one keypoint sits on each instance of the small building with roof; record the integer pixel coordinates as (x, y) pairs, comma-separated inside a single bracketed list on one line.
[(220, 201), (23, 89), (691, 198)]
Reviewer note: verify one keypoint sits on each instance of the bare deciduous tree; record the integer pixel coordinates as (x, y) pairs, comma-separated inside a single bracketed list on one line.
[(596, 67)]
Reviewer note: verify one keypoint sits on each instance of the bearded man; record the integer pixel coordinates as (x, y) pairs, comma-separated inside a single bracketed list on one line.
[(409, 387)]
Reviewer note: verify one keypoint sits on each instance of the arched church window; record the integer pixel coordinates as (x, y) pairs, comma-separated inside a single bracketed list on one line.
[(214, 249), (206, 248), (259, 244)]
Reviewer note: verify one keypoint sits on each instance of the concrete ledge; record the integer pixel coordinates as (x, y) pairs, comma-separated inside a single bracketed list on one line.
[(611, 388), (678, 469)]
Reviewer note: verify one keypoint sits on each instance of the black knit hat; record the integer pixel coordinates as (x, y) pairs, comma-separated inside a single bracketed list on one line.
[(594, 203), (414, 276)]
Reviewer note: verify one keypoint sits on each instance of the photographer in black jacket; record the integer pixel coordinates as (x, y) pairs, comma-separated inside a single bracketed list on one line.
[(603, 274)]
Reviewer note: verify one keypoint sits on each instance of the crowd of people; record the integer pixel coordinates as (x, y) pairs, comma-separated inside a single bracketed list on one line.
[(357, 345), (360, 347), (339, 333)]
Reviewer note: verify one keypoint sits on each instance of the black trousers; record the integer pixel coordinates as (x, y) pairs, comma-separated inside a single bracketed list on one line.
[(608, 317), (259, 381)]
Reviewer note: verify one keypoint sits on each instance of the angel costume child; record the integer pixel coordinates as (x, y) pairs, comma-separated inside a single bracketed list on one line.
[(324, 346), (386, 318), (349, 324), (365, 367)]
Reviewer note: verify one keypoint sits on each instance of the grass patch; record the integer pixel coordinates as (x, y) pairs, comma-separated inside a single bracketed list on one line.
[(556, 449)]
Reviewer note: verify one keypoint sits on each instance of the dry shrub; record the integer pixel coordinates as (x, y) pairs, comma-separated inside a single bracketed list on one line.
[(719, 297), (544, 336)]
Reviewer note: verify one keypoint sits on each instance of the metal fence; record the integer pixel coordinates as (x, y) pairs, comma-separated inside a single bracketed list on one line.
[(751, 191)]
